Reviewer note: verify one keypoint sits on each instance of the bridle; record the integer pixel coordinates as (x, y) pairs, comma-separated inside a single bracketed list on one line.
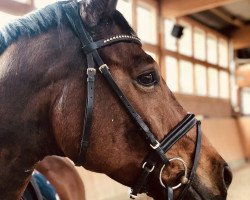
[(94, 63)]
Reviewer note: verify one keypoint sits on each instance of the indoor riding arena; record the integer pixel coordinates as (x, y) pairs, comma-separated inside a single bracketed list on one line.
[(202, 48)]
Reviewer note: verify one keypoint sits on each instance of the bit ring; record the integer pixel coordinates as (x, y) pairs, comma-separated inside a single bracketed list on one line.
[(184, 179)]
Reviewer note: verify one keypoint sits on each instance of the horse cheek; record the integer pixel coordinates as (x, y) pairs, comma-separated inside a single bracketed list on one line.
[(67, 120)]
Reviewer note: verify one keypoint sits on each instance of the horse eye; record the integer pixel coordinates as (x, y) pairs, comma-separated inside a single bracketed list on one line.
[(148, 79)]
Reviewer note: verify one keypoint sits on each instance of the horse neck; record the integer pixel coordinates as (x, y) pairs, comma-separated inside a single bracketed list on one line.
[(29, 85)]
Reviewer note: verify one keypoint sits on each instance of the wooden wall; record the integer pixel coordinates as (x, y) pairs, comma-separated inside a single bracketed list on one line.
[(206, 106), (101, 187), (225, 136), (244, 127)]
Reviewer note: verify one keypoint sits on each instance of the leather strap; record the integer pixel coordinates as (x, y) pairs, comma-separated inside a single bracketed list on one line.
[(172, 137), (137, 118), (177, 133), (91, 72), (148, 165), (72, 13), (195, 162), (110, 41)]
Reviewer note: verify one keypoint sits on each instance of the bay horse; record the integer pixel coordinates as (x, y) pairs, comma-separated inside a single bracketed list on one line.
[(123, 121)]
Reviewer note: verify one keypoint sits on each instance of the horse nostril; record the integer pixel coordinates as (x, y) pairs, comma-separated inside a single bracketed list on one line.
[(227, 176)]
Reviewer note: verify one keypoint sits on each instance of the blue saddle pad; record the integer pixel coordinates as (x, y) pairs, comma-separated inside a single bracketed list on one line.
[(47, 190)]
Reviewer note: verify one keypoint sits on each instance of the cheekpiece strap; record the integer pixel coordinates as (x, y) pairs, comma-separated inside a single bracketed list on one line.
[(154, 144), (196, 159), (84, 144), (72, 13)]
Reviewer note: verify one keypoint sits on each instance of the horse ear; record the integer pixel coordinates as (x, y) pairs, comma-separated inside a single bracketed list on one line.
[(93, 10)]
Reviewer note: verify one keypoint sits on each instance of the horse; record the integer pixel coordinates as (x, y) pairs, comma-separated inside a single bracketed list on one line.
[(75, 82), (63, 176)]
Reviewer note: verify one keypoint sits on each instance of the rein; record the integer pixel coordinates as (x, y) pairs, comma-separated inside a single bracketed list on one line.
[(94, 63)]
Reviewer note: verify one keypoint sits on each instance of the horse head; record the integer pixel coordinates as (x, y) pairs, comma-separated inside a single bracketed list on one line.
[(55, 98), (117, 146)]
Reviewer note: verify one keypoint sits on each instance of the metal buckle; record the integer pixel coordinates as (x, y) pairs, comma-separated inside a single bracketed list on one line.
[(184, 179), (155, 146), (132, 196), (91, 71), (149, 170), (103, 66)]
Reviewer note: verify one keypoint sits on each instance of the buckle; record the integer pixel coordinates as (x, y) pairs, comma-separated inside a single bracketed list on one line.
[(91, 71), (155, 146), (148, 169), (132, 196), (103, 66)]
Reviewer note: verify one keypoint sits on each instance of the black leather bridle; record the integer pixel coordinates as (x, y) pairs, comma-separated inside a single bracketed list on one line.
[(94, 63)]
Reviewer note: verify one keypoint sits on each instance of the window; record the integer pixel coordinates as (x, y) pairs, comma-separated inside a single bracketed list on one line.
[(223, 53), (185, 43), (213, 82), (199, 44), (224, 85), (201, 60), (245, 95), (200, 80), (212, 49), (146, 24), (233, 91), (125, 7), (186, 77), (171, 73), (170, 41)]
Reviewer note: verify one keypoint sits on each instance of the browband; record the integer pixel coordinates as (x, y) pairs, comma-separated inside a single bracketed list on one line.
[(110, 41)]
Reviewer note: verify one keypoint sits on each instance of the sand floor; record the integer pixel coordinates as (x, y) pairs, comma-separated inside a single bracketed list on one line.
[(100, 187), (240, 188)]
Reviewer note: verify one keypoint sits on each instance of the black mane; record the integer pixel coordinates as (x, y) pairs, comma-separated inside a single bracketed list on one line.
[(31, 25), (41, 21)]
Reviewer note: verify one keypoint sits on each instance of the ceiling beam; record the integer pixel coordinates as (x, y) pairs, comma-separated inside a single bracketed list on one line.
[(241, 38), (178, 8), (14, 7), (227, 17)]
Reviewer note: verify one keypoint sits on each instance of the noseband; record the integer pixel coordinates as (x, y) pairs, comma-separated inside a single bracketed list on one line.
[(94, 63)]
